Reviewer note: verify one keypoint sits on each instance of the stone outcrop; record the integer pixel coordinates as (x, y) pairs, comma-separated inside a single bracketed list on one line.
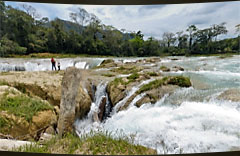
[(102, 108), (154, 95), (116, 91), (231, 95), (19, 128), (75, 102), (41, 122)]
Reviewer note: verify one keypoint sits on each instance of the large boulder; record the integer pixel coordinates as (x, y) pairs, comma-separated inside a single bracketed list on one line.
[(116, 90), (75, 102), (231, 95), (44, 84)]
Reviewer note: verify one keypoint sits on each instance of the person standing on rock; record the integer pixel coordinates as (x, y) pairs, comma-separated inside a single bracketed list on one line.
[(53, 64), (58, 65)]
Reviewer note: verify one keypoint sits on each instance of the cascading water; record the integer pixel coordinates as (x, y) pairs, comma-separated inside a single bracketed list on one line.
[(92, 119), (18, 64), (129, 94), (190, 120)]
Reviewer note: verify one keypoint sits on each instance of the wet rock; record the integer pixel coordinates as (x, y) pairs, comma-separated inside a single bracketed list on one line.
[(95, 117), (91, 88), (116, 91), (102, 108), (19, 68), (152, 60), (231, 95), (152, 96), (75, 102), (177, 68)]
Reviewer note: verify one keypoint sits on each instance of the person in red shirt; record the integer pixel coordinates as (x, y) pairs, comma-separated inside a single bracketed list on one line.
[(53, 64)]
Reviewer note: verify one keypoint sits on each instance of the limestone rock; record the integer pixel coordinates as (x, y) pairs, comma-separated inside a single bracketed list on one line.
[(75, 101), (41, 122), (69, 100), (102, 108)]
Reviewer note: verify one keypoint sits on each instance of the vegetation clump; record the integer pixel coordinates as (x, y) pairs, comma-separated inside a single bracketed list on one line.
[(180, 81), (152, 74), (133, 77), (164, 68), (93, 143), (23, 106), (3, 83), (151, 85), (3, 122)]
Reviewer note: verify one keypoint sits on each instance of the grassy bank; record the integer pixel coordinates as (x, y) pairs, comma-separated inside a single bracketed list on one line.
[(94, 143)]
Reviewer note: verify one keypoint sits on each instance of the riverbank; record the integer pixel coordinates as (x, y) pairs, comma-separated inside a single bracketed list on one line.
[(50, 55)]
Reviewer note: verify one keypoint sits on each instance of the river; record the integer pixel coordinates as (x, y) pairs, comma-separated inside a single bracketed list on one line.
[(191, 120)]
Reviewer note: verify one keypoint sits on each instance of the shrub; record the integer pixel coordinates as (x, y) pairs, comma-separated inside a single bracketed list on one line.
[(180, 81)]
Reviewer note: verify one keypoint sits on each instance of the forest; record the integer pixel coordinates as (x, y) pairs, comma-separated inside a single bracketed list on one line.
[(23, 31)]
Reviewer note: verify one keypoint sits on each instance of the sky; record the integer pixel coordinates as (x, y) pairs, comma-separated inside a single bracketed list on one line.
[(151, 20)]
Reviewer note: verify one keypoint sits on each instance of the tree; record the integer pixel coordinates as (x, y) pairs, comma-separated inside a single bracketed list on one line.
[(219, 30), (191, 29), (31, 11), (80, 17), (169, 38), (238, 32)]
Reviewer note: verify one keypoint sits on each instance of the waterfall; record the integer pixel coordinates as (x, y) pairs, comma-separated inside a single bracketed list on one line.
[(129, 94), (19, 64), (93, 121)]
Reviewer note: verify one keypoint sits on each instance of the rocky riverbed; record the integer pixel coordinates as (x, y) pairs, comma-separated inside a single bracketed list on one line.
[(104, 96)]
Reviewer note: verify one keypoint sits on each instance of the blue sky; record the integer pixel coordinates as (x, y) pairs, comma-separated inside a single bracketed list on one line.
[(152, 20)]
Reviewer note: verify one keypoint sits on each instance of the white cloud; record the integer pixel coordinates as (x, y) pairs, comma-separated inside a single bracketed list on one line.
[(153, 20)]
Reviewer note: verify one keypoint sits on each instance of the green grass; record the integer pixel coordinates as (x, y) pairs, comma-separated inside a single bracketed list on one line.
[(117, 81), (23, 106), (152, 74), (92, 143), (180, 81), (3, 122), (133, 77), (3, 83), (223, 56), (173, 80), (151, 85), (164, 68)]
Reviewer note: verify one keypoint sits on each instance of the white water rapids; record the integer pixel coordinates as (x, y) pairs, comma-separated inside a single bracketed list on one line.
[(190, 120)]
